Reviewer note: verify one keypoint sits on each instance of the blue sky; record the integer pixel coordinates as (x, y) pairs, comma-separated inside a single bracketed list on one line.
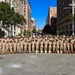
[(40, 10)]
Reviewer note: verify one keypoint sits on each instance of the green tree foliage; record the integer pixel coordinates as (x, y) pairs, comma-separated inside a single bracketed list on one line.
[(60, 32), (47, 29), (8, 15), (34, 31), (18, 19), (24, 33), (28, 32), (21, 32), (71, 17)]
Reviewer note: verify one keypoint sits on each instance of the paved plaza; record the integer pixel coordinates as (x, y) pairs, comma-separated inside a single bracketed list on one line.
[(37, 64)]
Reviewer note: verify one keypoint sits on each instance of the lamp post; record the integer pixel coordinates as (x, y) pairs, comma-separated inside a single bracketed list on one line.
[(72, 7)]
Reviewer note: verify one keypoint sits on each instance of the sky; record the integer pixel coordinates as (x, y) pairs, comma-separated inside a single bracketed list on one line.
[(40, 10)]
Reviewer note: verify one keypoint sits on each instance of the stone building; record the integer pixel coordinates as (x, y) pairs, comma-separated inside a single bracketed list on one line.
[(64, 11), (53, 24), (33, 24), (52, 18), (27, 14), (51, 12)]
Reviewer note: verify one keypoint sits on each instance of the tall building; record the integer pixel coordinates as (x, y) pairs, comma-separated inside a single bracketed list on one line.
[(17, 5), (51, 12), (33, 24), (27, 14), (53, 24), (51, 19), (63, 22)]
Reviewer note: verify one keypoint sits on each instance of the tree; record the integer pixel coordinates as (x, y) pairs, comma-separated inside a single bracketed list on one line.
[(34, 31), (18, 19), (6, 13), (24, 33), (9, 17), (47, 29), (60, 32), (28, 32)]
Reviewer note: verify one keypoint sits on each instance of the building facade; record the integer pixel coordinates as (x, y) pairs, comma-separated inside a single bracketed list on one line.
[(51, 19), (33, 24), (17, 5), (27, 14), (51, 12), (22, 7), (63, 12), (53, 24)]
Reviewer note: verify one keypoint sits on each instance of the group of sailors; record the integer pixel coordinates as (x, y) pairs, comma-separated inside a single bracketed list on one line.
[(38, 44)]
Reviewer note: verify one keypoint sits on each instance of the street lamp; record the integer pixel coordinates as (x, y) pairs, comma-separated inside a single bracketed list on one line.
[(72, 6)]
